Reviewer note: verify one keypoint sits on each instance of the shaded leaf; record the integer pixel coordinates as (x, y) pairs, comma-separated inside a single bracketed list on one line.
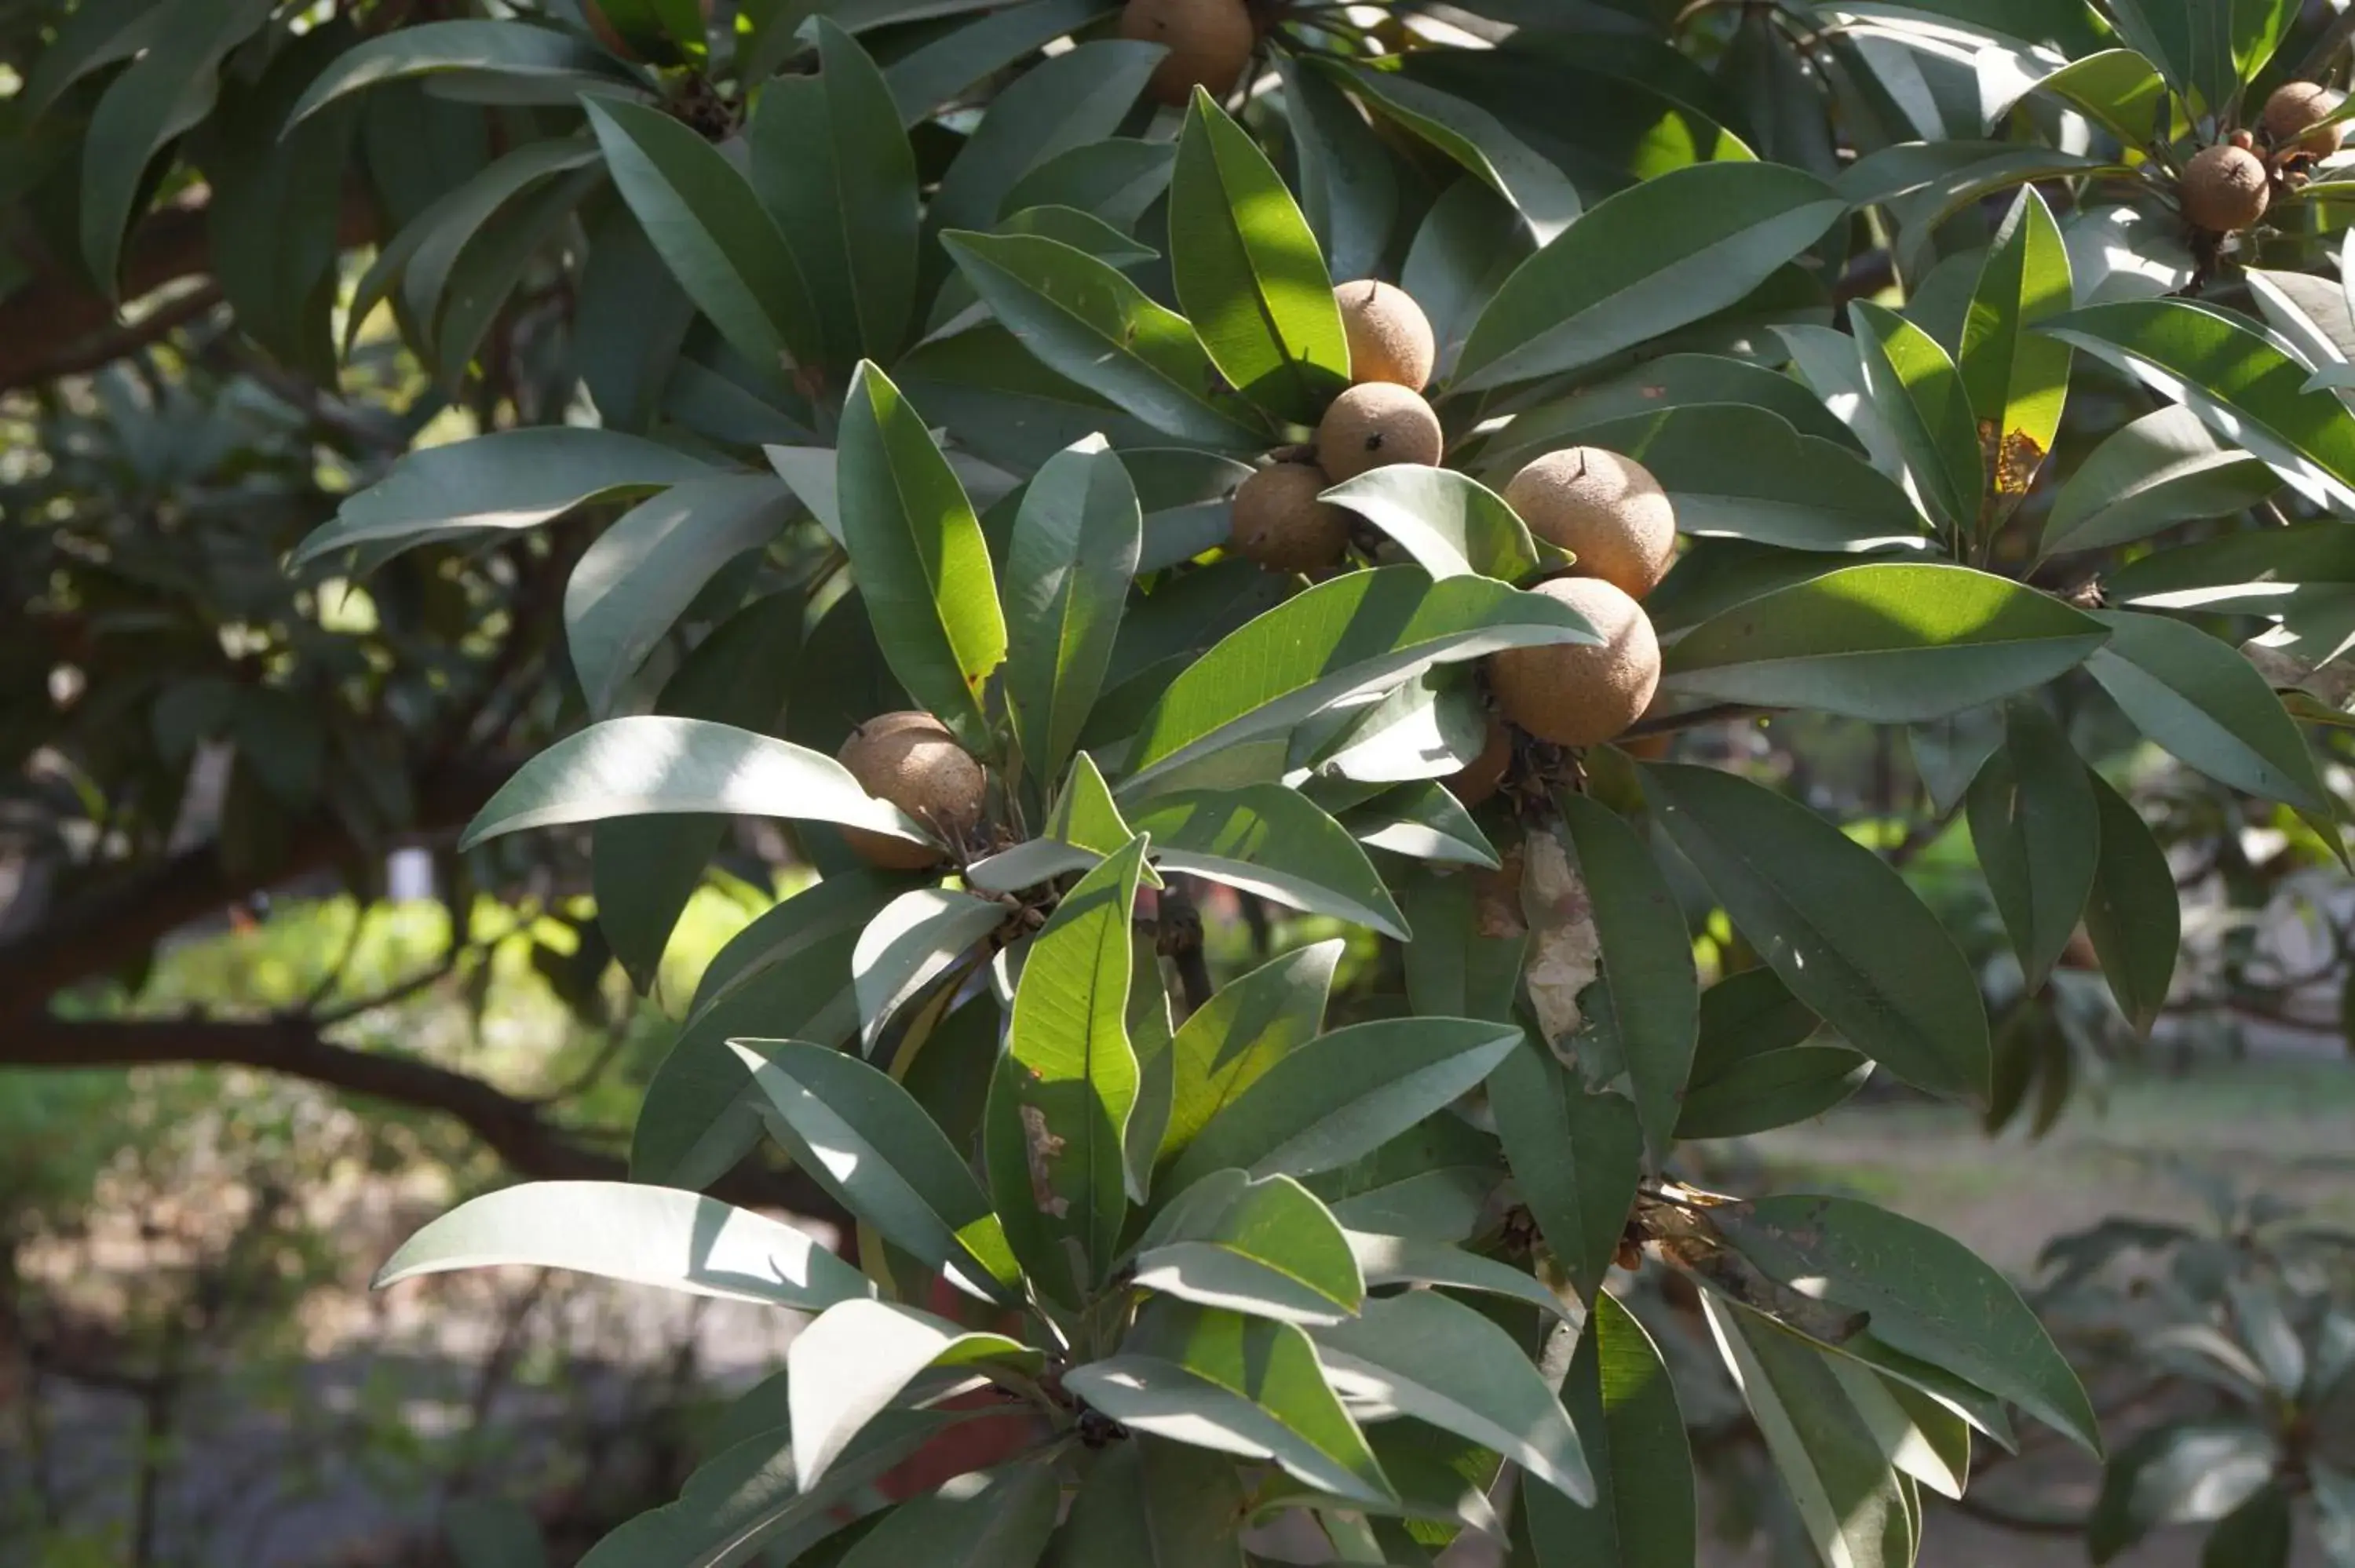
[(1348, 192), (1151, 1500), (1269, 840), (984, 1518), (1576, 1158), (2135, 915), (1474, 139), (2017, 381), (2190, 1473), (847, 1368), (1266, 1247), (1248, 1025), (2036, 828), (911, 943), (2148, 474), (567, 62), (1452, 525), (1076, 540), (1620, 1397), (1920, 394)]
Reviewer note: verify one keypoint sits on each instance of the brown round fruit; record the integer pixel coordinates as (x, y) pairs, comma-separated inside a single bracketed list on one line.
[(1390, 337), (1478, 779), (1582, 694), (2223, 189), (1374, 424), (1209, 42), (1606, 509), (2292, 114), (912, 760), (1278, 522)]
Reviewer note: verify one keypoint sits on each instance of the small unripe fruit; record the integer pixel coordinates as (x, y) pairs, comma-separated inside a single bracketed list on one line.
[(1390, 337), (1209, 42), (1582, 694), (912, 760), (1374, 424), (1606, 509), (1478, 779), (2291, 115), (2223, 189), (1278, 523)]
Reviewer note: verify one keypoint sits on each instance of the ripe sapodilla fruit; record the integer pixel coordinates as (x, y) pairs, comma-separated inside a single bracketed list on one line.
[(1278, 522), (2223, 188), (1374, 424), (1209, 42), (2290, 115), (1606, 509), (1477, 779), (1582, 694), (912, 760), (1390, 337)]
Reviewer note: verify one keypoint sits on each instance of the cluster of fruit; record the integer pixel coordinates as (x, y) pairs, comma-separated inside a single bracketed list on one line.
[(2227, 188)]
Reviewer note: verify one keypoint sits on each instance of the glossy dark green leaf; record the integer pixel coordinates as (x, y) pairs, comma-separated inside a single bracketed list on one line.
[(1620, 1397), (1889, 643), (983, 1519), (2119, 88), (2036, 828), (2207, 705), (2178, 1473), (1349, 191), (847, 1368), (936, 71), (1086, 321), (1412, 1260), (1248, 272), (1464, 248), (1842, 928), (1576, 1157), (1006, 406), (1651, 1004), (643, 1235), (1247, 1386), (566, 62), (1671, 381), (1357, 633), (718, 241), (2135, 915), (1342, 1094), (1476, 140), (1151, 1500), (1115, 179), (88, 38), (1927, 1297), (2256, 1534), (1759, 1066), (1421, 820), (1430, 727), (1272, 841), (1425, 1355), (1652, 259), (832, 167), (1919, 396), (1452, 525), (2159, 470), (921, 561), (1075, 545), (912, 942), (1250, 1024), (1266, 1247), (2018, 381), (875, 1150), (1059, 1106), (1079, 97), (1925, 182)]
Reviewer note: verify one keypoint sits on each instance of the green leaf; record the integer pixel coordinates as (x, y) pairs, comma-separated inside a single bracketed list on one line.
[(1925, 183), (1926, 1296), (1669, 381), (1188, 496), (1349, 190), (1474, 138), (630, 587), (1266, 1247), (2299, 574), (1423, 1355), (2225, 369), (655, 764), (2255, 1535), (1059, 1104), (493, 265), (2334, 1499), (1249, 1386), (1889, 643), (1116, 180), (1422, 820), (835, 171), (873, 1148), (1756, 1067), (1272, 841), (1357, 634), (914, 940), (1412, 1260), (1650, 1005), (2180, 1473), (936, 71), (2018, 381), (920, 556), (1153, 1501), (1084, 320), (2135, 915), (1076, 541), (1430, 727), (1847, 1497), (565, 62), (1468, 962), (1846, 935), (1920, 394), (1228, 1043), (2117, 88), (786, 973), (1620, 1398), (984, 1518), (1085, 814), (1575, 1155), (1452, 525), (1342, 1094), (89, 38), (1248, 272), (716, 239), (641, 1236), (2149, 475), (1079, 97), (2037, 832), (1464, 250), (2207, 705), (1649, 260), (493, 1533), (847, 1368)]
